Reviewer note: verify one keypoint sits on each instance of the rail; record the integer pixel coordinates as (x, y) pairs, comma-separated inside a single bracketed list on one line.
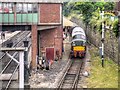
[(71, 68), (20, 43)]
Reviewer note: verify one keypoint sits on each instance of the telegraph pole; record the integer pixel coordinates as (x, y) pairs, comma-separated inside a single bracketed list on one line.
[(102, 40)]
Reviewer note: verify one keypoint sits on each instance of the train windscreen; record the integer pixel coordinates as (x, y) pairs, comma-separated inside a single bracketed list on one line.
[(79, 36), (78, 43)]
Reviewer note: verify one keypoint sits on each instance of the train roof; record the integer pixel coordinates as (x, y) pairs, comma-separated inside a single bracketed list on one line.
[(78, 30)]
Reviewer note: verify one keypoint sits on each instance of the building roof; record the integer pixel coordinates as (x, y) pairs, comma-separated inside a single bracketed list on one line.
[(67, 22), (36, 1)]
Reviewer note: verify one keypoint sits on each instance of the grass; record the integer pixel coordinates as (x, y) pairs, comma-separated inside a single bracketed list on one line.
[(100, 77)]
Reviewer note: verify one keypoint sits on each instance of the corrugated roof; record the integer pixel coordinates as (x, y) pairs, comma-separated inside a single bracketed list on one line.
[(40, 1)]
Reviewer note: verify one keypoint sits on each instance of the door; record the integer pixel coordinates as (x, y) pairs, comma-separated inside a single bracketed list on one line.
[(50, 53)]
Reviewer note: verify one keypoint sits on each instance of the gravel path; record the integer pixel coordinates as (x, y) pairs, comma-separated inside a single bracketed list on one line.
[(47, 78)]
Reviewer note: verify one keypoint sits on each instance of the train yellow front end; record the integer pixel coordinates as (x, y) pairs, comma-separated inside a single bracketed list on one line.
[(78, 50)]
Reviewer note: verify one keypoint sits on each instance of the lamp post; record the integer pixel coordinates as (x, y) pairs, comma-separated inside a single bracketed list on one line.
[(26, 74)]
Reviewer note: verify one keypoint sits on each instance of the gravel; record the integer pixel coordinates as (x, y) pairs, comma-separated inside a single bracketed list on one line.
[(48, 78)]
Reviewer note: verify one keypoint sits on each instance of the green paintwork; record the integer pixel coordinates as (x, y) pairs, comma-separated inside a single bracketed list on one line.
[(5, 18), (0, 18), (11, 18), (20, 18)]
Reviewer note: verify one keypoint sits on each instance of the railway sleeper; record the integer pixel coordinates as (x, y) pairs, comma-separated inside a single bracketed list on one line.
[(69, 81), (67, 86), (69, 78), (70, 75), (6, 77), (72, 72)]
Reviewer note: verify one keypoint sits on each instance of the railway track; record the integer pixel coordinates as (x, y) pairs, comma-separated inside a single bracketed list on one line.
[(15, 39), (8, 65), (72, 75)]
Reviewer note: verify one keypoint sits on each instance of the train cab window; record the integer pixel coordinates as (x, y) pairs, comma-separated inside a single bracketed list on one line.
[(78, 43), (79, 36)]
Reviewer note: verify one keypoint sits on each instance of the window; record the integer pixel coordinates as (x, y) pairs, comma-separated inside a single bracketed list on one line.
[(34, 9), (79, 36), (0, 7), (19, 8), (10, 7), (25, 10), (5, 8), (29, 8)]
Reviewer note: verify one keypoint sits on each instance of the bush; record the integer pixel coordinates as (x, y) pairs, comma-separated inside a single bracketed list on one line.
[(115, 28)]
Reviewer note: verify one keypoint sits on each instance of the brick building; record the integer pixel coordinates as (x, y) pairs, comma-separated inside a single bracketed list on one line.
[(44, 19)]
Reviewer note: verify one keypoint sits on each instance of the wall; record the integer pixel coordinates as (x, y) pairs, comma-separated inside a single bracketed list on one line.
[(49, 13), (51, 38), (34, 45)]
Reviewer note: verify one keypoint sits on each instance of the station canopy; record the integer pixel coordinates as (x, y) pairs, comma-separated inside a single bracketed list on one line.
[(67, 22)]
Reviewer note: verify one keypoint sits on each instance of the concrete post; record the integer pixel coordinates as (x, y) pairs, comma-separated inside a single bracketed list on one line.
[(21, 70)]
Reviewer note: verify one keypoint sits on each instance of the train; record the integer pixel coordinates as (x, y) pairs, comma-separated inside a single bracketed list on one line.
[(78, 43)]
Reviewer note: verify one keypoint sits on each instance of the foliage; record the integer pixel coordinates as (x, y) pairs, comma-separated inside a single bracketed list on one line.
[(90, 12), (115, 28), (100, 77)]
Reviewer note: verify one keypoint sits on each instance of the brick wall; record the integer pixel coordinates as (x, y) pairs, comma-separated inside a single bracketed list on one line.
[(59, 39), (34, 45), (49, 13), (51, 38)]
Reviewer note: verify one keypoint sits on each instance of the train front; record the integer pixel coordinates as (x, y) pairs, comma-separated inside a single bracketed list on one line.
[(78, 44), (78, 48)]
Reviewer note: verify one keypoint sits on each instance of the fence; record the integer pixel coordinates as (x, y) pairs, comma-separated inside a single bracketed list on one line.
[(110, 42)]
